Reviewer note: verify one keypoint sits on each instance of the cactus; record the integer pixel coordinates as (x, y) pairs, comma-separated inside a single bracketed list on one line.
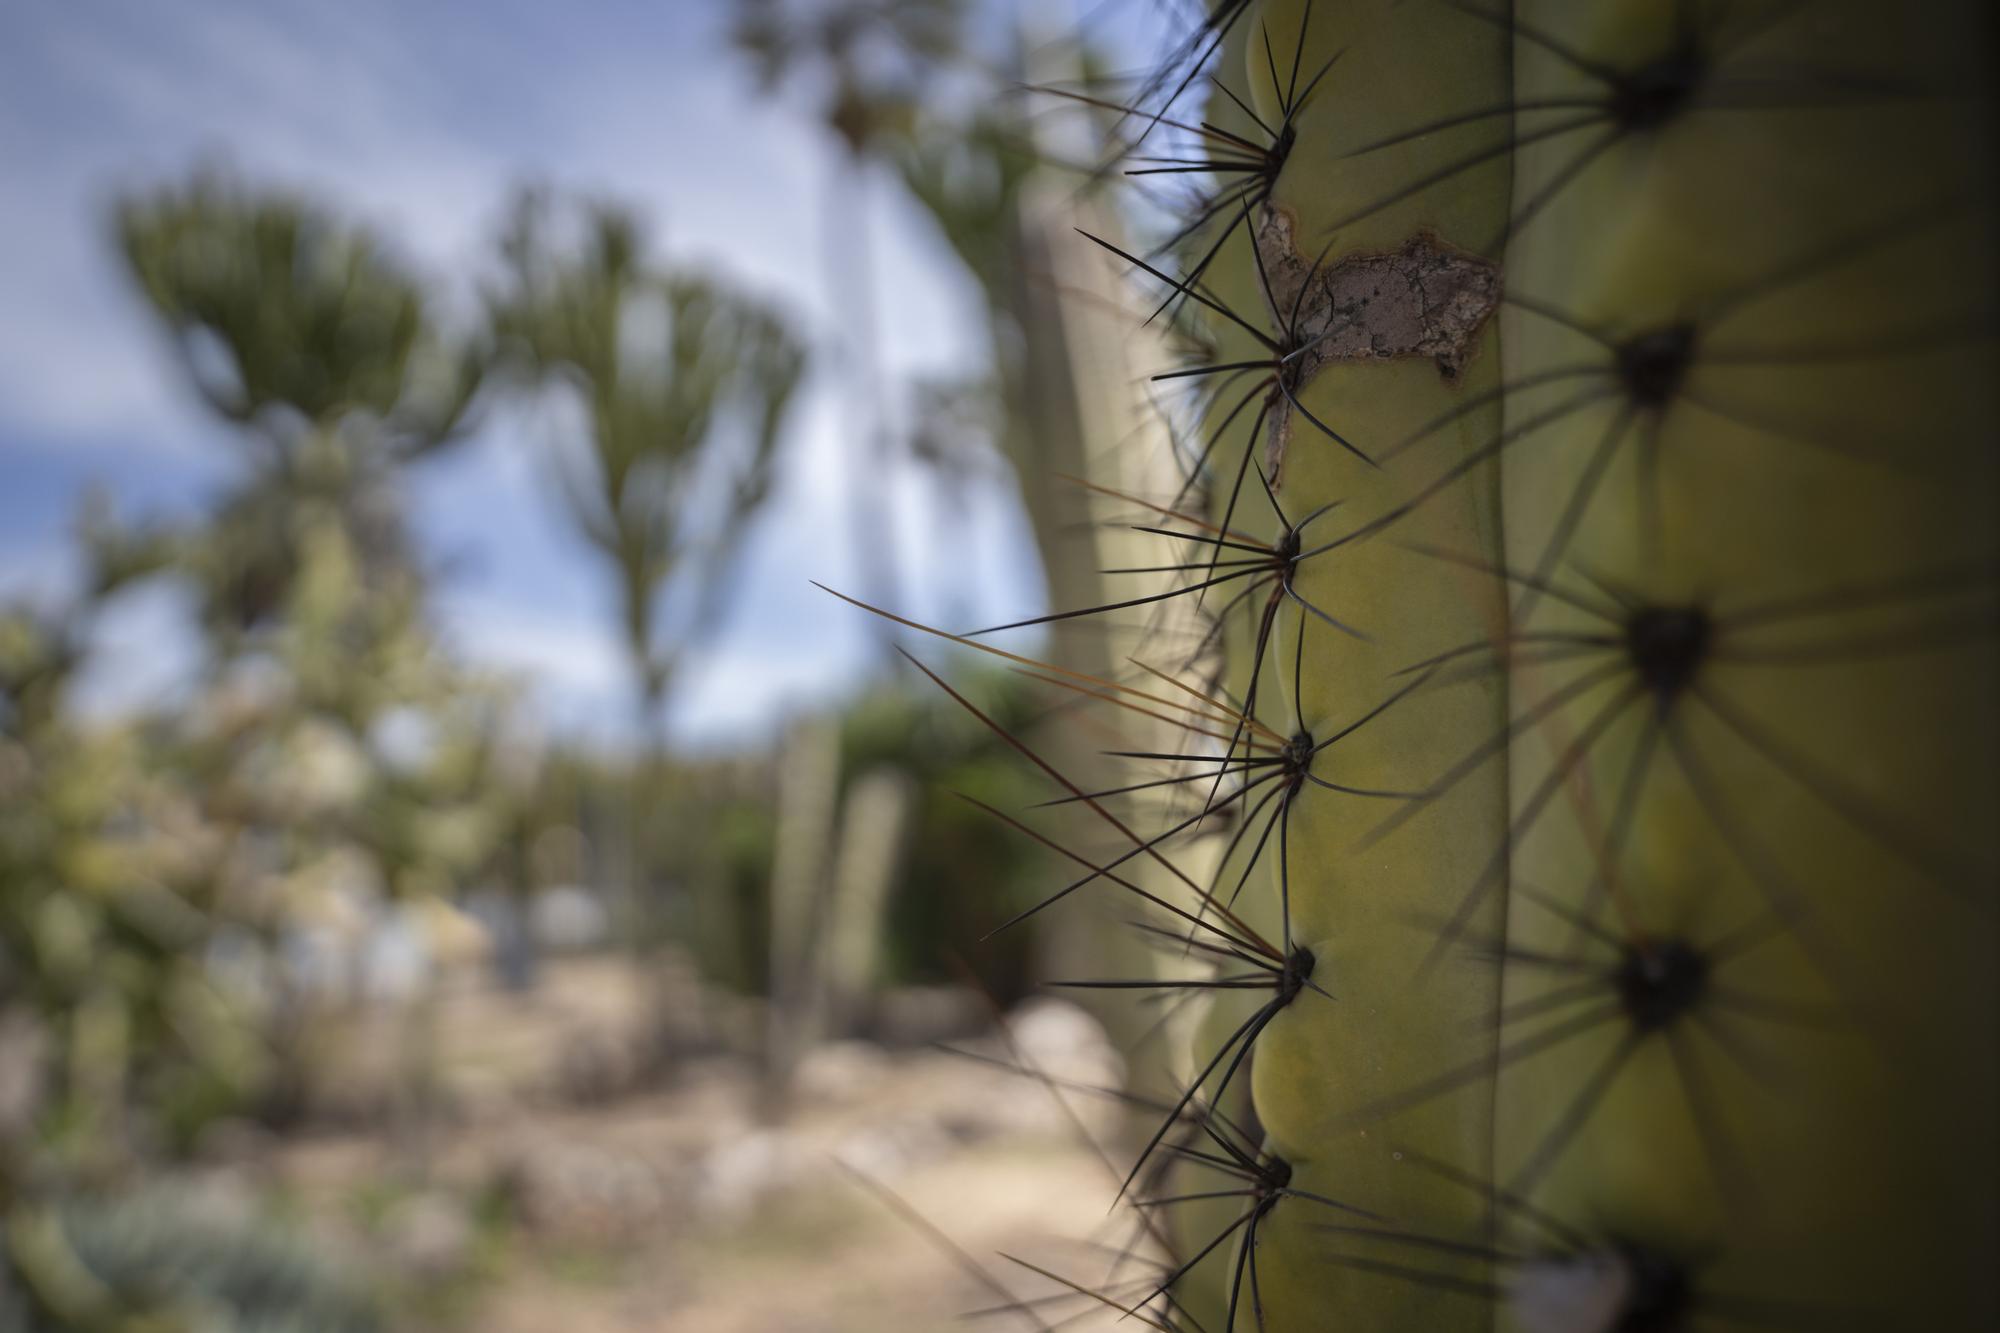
[(156, 1262), (1597, 411)]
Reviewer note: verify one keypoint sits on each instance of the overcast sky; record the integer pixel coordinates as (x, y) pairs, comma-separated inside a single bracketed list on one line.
[(421, 119)]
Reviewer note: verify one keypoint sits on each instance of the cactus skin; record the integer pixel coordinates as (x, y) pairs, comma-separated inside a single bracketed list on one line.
[(1846, 1182), (1820, 1154), (1321, 1057)]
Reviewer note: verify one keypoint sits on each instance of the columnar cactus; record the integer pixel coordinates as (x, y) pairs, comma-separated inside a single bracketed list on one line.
[(1599, 412), (1683, 957)]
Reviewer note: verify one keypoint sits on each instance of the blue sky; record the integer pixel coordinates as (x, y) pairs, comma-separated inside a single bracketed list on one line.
[(422, 119)]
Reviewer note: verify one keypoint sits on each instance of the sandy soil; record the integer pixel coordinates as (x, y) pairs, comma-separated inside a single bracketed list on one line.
[(685, 1207)]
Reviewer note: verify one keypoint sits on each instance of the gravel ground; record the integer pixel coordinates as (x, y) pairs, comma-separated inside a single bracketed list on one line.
[(686, 1208)]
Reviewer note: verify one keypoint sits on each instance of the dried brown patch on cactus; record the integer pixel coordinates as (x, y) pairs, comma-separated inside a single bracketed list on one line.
[(1427, 299)]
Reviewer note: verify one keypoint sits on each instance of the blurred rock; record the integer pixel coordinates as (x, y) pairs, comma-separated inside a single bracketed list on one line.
[(429, 1235), (596, 1065), (1051, 1040), (1063, 1041), (568, 919), (732, 1180), (885, 1151), (924, 1015), (840, 1072), (583, 1194), (235, 1141), (682, 1012)]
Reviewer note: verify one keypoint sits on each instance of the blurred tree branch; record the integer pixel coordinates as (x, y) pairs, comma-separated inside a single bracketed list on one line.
[(288, 321), (663, 364)]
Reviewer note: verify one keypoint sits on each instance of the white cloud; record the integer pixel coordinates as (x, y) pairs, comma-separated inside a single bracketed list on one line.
[(577, 658)]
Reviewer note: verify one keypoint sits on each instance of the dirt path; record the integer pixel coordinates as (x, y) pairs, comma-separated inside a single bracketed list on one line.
[(685, 1208), (836, 1262)]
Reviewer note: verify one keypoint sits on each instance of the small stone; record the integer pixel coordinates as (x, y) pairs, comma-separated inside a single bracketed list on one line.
[(429, 1236)]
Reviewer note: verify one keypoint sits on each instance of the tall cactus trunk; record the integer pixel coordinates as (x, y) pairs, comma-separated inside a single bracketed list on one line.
[(874, 823), (1604, 391), (808, 806), (1713, 491)]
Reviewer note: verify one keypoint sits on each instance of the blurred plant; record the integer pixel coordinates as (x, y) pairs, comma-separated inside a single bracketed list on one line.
[(331, 755), (877, 59), (716, 823), (974, 180), (103, 999), (114, 1037), (961, 869), (289, 321), (328, 360), (337, 744), (925, 92), (877, 67), (149, 1264), (683, 386), (680, 388)]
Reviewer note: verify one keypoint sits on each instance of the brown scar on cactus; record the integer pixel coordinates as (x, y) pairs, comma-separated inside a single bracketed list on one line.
[(1424, 300)]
